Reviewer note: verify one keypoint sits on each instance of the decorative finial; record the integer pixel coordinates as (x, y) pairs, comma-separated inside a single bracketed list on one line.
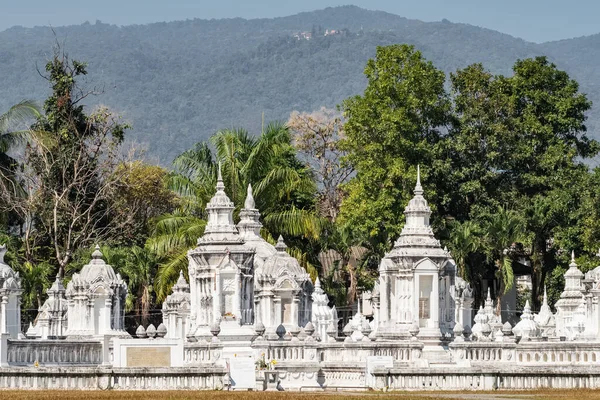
[(220, 185), (181, 284), (280, 246), (573, 263), (418, 187), (97, 254), (317, 283), (249, 204), (527, 308), (489, 297), (545, 301)]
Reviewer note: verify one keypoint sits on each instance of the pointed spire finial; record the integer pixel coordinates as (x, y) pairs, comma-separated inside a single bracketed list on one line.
[(249, 204), (418, 187), (220, 185), (527, 308), (97, 254), (573, 263), (545, 300), (317, 283), (489, 297), (280, 246)]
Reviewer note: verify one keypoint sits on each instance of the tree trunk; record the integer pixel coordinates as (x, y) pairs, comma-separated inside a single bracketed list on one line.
[(351, 294)]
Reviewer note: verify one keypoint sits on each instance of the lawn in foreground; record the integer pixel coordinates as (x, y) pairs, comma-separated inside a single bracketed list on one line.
[(224, 395)]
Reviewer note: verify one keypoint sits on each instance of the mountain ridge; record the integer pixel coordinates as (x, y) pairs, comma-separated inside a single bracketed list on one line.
[(178, 82)]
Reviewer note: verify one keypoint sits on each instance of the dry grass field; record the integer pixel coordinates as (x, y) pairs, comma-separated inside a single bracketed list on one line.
[(185, 395)]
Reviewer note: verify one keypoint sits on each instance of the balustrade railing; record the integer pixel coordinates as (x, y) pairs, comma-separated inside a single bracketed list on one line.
[(30, 352)]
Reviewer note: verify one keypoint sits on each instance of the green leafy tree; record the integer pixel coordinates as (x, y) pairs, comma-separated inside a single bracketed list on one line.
[(390, 129), (518, 142), (141, 195)]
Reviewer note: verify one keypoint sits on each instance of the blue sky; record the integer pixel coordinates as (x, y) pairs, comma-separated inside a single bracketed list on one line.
[(533, 20)]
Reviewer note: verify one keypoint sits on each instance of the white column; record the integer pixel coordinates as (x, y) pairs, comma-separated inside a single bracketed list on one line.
[(435, 301), (384, 302), (180, 328), (257, 310), (90, 322), (277, 311), (216, 297), (466, 312), (295, 309), (108, 314), (416, 289), (3, 328), (4, 349), (237, 298), (18, 315)]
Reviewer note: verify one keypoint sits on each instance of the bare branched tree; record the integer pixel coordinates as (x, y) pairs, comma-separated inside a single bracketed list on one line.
[(77, 182), (317, 136)]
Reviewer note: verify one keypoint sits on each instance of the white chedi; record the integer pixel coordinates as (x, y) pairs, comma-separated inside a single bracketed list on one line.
[(176, 309), (576, 327), (284, 287), (322, 314), (96, 297), (526, 328), (51, 322), (480, 319), (545, 319)]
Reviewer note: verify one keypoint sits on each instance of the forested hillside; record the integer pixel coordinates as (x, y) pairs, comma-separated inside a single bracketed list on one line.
[(178, 82)]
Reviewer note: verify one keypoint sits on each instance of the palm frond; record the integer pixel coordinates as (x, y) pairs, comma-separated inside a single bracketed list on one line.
[(21, 112), (168, 272)]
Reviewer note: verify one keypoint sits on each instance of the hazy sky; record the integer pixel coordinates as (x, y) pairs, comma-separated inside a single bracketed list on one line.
[(533, 20)]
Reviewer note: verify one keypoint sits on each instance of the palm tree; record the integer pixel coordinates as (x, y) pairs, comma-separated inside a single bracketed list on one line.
[(465, 240), (284, 190), (9, 137), (12, 135), (343, 240), (503, 229), (140, 268), (35, 279)]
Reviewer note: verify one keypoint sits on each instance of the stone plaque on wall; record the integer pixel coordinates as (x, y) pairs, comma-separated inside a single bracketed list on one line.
[(148, 356), (242, 372)]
